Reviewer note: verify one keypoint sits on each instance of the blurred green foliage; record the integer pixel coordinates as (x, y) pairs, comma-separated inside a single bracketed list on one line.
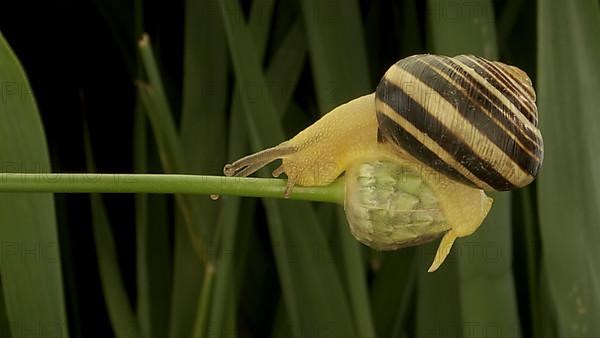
[(251, 74)]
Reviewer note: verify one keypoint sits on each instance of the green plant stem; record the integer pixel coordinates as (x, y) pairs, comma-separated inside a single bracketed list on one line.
[(200, 325), (165, 184)]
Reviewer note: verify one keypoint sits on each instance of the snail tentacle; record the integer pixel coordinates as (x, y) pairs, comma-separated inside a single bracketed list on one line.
[(250, 164)]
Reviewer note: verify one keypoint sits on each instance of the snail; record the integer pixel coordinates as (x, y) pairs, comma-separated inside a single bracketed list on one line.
[(462, 125)]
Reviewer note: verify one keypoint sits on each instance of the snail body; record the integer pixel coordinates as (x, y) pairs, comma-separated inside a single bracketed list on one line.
[(464, 125)]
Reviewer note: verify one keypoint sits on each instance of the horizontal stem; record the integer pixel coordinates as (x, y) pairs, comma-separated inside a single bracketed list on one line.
[(165, 184)]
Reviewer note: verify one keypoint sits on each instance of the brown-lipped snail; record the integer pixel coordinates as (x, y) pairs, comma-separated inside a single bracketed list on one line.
[(420, 151)]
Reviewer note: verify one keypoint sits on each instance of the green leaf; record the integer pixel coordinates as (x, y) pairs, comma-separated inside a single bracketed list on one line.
[(527, 246), (200, 324), (30, 269), (153, 251), (119, 309), (153, 247), (438, 295), (186, 264), (224, 279), (354, 276), (205, 95), (485, 264), (462, 27), (118, 16), (286, 65), (259, 22), (548, 311), (284, 71), (310, 287), (169, 147), (159, 111), (337, 51), (192, 239), (4, 321), (392, 291), (569, 185)]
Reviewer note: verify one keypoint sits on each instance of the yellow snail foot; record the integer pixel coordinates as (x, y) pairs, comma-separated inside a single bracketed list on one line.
[(464, 207), (290, 182), (443, 250)]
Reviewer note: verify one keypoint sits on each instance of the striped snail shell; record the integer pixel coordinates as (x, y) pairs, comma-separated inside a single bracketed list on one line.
[(470, 119)]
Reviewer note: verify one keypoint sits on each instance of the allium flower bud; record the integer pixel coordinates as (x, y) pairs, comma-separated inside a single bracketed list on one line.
[(388, 207)]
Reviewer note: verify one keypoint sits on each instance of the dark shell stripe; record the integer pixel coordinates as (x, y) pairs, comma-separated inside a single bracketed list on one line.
[(466, 101), (508, 77), (528, 89), (392, 132), (480, 99), (502, 101), (498, 110), (428, 144), (523, 100), (413, 111), (495, 77)]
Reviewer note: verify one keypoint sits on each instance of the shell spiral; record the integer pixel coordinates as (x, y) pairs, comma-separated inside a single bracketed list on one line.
[(470, 119)]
